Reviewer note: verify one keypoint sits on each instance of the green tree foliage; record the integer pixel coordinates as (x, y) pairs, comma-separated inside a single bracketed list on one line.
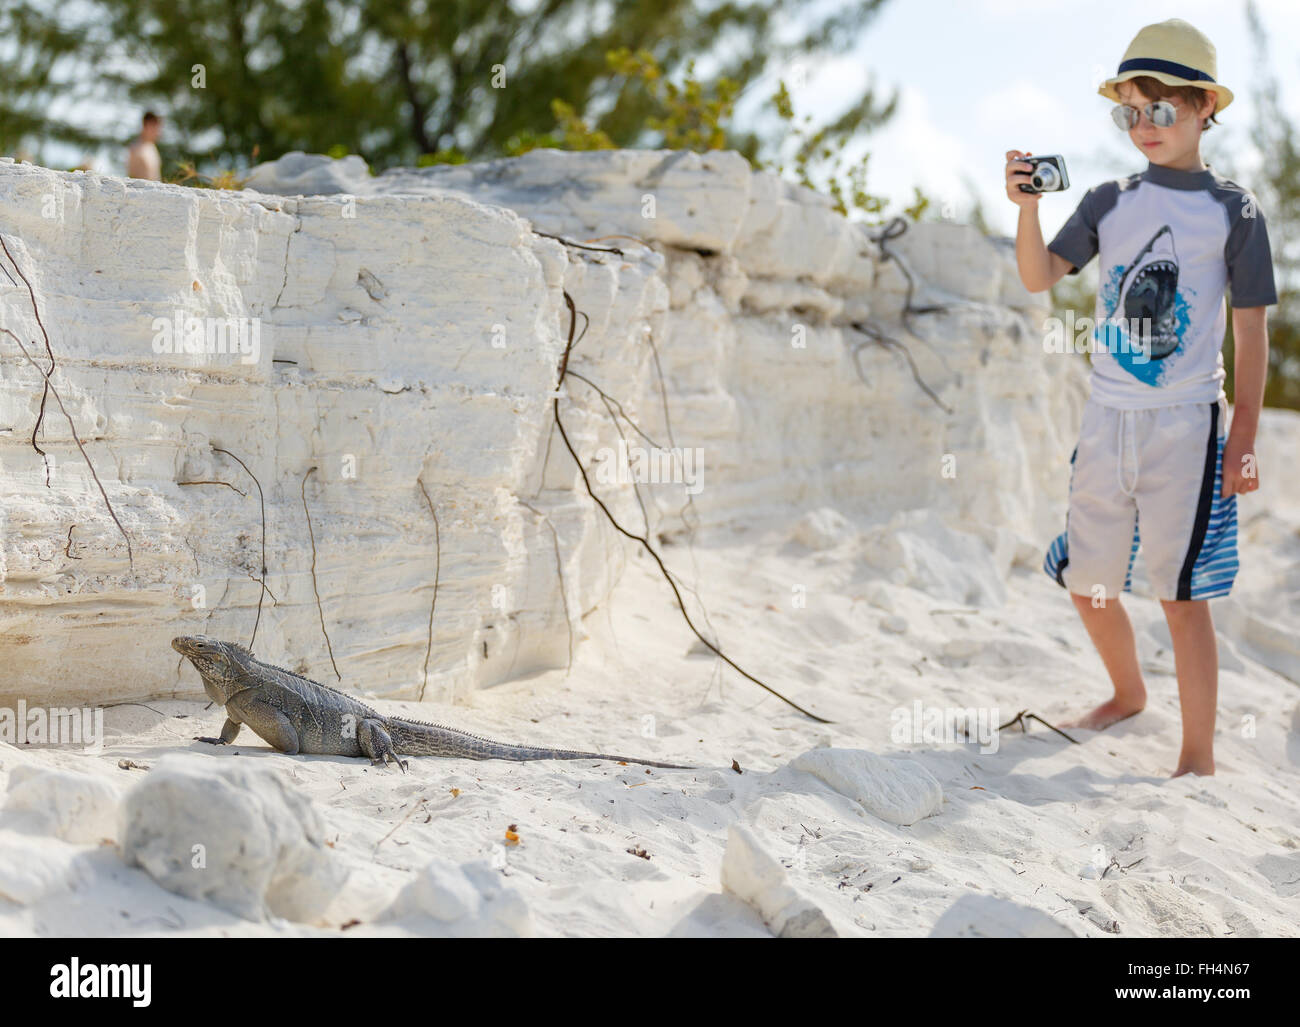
[(818, 153), (401, 82), (41, 53), (1277, 184), (695, 115)]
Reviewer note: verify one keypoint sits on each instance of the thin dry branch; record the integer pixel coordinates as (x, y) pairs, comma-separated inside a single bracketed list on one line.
[(40, 417), (617, 405), (611, 403), (645, 542), (577, 245), (692, 522), (130, 553), (896, 227), (881, 339), (1025, 715), (409, 814), (207, 482), (262, 499), (437, 573), (559, 573), (319, 609), (254, 577), (616, 235)]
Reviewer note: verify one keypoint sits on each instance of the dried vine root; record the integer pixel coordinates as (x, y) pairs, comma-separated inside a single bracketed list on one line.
[(645, 542)]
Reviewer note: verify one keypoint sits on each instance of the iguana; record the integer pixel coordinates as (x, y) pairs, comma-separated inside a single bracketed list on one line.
[(298, 715)]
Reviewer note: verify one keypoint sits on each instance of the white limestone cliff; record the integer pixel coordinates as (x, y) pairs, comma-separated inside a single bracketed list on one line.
[(411, 328)]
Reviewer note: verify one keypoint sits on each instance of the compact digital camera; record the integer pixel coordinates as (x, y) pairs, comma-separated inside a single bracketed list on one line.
[(1048, 176)]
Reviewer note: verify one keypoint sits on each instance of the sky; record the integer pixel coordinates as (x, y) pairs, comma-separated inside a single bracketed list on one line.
[(979, 77)]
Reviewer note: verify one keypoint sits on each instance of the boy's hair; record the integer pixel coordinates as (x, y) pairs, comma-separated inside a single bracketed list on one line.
[(149, 118), (1158, 90)]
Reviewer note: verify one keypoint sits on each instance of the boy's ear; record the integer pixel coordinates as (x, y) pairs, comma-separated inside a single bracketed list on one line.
[(1208, 102)]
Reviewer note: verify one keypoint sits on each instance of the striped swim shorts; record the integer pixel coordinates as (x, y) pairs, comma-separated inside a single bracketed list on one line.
[(1152, 475)]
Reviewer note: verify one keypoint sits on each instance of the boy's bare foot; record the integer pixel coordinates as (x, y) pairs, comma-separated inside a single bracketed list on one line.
[(1201, 768), (1110, 712)]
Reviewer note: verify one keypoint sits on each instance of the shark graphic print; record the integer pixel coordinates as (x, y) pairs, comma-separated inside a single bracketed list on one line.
[(1147, 293), (1145, 313), (1171, 244)]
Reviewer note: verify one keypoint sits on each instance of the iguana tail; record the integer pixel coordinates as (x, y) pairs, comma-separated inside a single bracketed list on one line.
[(414, 738)]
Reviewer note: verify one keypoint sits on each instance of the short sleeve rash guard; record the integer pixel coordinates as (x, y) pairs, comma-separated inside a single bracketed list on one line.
[(1170, 242)]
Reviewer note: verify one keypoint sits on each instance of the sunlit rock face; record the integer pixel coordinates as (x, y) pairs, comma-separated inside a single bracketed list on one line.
[(386, 337)]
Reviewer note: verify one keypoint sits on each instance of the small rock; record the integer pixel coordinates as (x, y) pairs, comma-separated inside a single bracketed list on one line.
[(373, 286), (984, 916), (79, 808), (33, 867), (895, 789), (821, 529), (235, 835), (959, 648), (753, 876), (467, 901), (880, 597)]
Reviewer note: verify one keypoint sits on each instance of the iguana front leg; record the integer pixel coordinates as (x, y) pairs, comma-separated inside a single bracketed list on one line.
[(269, 722), (376, 743), (229, 732)]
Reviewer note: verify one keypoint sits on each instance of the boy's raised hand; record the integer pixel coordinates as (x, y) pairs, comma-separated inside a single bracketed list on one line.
[(1018, 172)]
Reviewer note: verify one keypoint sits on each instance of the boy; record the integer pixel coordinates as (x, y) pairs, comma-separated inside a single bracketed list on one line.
[(1152, 452)]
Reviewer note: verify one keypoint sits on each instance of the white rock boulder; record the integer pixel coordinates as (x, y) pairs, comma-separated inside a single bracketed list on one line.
[(751, 874), (75, 807), (235, 835), (465, 901)]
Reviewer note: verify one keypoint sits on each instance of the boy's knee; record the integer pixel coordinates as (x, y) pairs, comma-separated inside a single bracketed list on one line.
[(1185, 607), (1098, 601)]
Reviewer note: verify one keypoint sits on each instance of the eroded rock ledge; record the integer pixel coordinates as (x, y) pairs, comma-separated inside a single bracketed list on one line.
[(410, 328)]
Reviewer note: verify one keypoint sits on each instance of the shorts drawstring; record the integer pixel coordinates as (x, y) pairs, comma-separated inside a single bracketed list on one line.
[(1119, 452)]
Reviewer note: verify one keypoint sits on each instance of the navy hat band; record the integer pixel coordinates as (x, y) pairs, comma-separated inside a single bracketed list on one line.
[(1168, 67)]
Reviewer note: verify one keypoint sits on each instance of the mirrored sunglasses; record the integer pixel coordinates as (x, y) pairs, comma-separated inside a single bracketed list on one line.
[(1162, 114)]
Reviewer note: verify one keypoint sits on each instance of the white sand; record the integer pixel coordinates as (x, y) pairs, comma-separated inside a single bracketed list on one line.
[(1034, 824)]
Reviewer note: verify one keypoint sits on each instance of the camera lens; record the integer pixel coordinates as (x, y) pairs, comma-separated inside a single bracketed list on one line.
[(1045, 178)]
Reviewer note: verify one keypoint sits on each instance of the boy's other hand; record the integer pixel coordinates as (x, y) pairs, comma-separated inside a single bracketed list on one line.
[(1240, 466), (1018, 172)]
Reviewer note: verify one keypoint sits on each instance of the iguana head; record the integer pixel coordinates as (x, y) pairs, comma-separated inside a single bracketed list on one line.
[(220, 664)]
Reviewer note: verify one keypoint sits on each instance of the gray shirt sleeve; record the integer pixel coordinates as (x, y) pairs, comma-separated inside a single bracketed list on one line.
[(1077, 239), (1248, 255)]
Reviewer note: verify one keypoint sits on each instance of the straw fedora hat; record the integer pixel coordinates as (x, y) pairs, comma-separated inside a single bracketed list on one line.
[(1175, 53)]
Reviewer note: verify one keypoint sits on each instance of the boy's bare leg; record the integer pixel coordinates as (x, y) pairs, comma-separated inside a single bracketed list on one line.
[(1112, 633), (1196, 660)]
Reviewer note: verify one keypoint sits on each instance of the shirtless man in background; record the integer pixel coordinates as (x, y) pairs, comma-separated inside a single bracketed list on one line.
[(142, 160)]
